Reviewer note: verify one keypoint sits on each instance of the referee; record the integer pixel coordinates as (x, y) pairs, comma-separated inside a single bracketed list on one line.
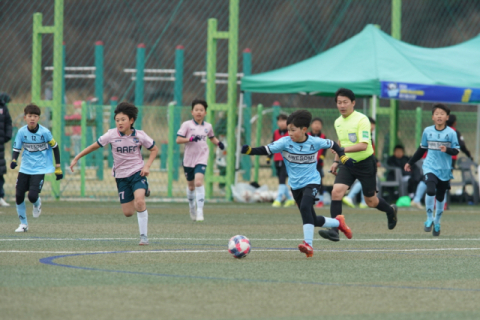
[(353, 131)]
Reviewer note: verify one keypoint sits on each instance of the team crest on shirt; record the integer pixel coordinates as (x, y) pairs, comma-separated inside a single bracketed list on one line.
[(136, 140), (206, 130), (352, 137)]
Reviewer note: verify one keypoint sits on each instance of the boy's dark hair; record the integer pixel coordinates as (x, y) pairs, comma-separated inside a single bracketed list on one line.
[(200, 101), (128, 109), (300, 119), (317, 119), (282, 116), (32, 109), (372, 121), (440, 106), (345, 93), (451, 120), (399, 146)]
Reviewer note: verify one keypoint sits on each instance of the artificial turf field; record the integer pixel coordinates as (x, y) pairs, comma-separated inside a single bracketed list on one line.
[(81, 260)]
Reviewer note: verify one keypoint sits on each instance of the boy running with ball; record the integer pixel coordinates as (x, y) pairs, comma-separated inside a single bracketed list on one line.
[(194, 134), (129, 170), (299, 152), (442, 143)]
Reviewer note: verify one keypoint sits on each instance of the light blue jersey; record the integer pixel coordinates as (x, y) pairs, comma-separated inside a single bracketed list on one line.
[(37, 157), (300, 159), (437, 162)]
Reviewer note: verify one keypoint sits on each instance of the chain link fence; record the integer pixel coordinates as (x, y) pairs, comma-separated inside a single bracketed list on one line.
[(278, 32)]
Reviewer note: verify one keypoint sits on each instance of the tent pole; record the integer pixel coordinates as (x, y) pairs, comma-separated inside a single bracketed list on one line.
[(239, 136), (374, 116)]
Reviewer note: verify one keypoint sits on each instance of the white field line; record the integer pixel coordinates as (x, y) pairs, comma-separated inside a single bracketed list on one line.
[(226, 239), (257, 250)]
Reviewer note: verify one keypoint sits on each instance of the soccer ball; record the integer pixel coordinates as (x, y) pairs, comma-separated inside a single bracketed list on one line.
[(239, 246)]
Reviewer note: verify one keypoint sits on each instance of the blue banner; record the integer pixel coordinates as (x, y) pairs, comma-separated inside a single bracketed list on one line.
[(433, 93)]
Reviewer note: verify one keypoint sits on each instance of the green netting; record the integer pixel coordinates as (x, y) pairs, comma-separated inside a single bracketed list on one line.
[(278, 32)]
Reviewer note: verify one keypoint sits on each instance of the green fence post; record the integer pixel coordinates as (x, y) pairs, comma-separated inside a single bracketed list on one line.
[(246, 162), (89, 133), (394, 104), (113, 105), (178, 97), (140, 84), (163, 156), (171, 142), (418, 126), (83, 124), (276, 112), (258, 140), (99, 106), (65, 141)]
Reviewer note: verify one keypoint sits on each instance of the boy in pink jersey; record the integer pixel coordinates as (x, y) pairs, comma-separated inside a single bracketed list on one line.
[(128, 169), (194, 134)]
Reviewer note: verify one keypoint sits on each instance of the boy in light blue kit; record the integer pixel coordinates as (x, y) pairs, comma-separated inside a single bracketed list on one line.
[(299, 152), (38, 143), (442, 143)]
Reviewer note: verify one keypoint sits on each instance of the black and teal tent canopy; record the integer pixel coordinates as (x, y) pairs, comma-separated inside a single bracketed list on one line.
[(374, 63)]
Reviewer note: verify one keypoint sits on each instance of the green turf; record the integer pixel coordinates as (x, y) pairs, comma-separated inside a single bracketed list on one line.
[(187, 273)]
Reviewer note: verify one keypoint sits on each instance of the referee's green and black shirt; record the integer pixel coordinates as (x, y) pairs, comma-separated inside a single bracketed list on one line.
[(352, 130)]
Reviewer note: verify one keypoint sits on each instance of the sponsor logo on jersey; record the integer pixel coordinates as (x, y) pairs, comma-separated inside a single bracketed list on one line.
[(129, 149), (435, 145), (365, 134), (35, 147), (300, 158)]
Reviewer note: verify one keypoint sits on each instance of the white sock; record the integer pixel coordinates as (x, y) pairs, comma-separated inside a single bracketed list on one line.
[(142, 222), (191, 197), (200, 191)]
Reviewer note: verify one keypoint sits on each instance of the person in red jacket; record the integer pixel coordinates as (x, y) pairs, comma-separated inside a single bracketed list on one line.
[(317, 126), (280, 165)]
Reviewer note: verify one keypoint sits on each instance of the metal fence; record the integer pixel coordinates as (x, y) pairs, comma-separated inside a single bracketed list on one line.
[(278, 32)]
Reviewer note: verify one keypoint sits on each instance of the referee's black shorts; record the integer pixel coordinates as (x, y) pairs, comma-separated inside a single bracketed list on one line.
[(365, 171)]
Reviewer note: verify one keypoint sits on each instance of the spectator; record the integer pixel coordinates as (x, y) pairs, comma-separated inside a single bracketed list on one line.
[(399, 160), (5, 136)]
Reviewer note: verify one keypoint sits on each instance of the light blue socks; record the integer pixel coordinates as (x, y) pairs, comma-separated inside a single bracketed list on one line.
[(354, 190), (331, 223), (439, 211), (283, 191), (421, 188), (22, 213), (429, 202), (308, 230), (37, 203)]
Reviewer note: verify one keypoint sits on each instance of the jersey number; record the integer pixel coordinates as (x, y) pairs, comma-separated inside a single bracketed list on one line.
[(301, 147)]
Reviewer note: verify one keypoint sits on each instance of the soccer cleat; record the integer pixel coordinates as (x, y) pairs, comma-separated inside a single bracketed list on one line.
[(4, 203), (427, 226), (392, 220), (417, 205), (436, 230), (363, 205), (199, 217), (348, 202), (329, 234), (193, 213), (343, 227), (22, 228), (143, 240), (289, 203), (276, 204), (319, 205), (306, 248), (37, 210)]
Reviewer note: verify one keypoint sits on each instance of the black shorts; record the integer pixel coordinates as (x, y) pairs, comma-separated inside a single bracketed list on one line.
[(365, 171), (310, 191), (127, 186), (29, 182), (281, 172)]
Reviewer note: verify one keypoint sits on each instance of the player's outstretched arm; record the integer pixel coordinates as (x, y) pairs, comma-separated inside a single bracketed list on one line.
[(259, 151), (347, 161), (56, 154), (15, 155), (94, 146), (417, 156), (146, 168)]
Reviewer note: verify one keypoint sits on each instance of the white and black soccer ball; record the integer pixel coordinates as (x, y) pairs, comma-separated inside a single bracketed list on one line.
[(239, 246)]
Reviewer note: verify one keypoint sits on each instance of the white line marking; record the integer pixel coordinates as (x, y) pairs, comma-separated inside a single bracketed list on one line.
[(226, 239), (256, 250)]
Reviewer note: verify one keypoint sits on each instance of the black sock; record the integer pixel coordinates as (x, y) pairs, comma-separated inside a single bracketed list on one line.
[(384, 206), (335, 210)]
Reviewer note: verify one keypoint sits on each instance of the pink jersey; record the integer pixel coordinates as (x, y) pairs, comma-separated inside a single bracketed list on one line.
[(127, 157), (195, 152)]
